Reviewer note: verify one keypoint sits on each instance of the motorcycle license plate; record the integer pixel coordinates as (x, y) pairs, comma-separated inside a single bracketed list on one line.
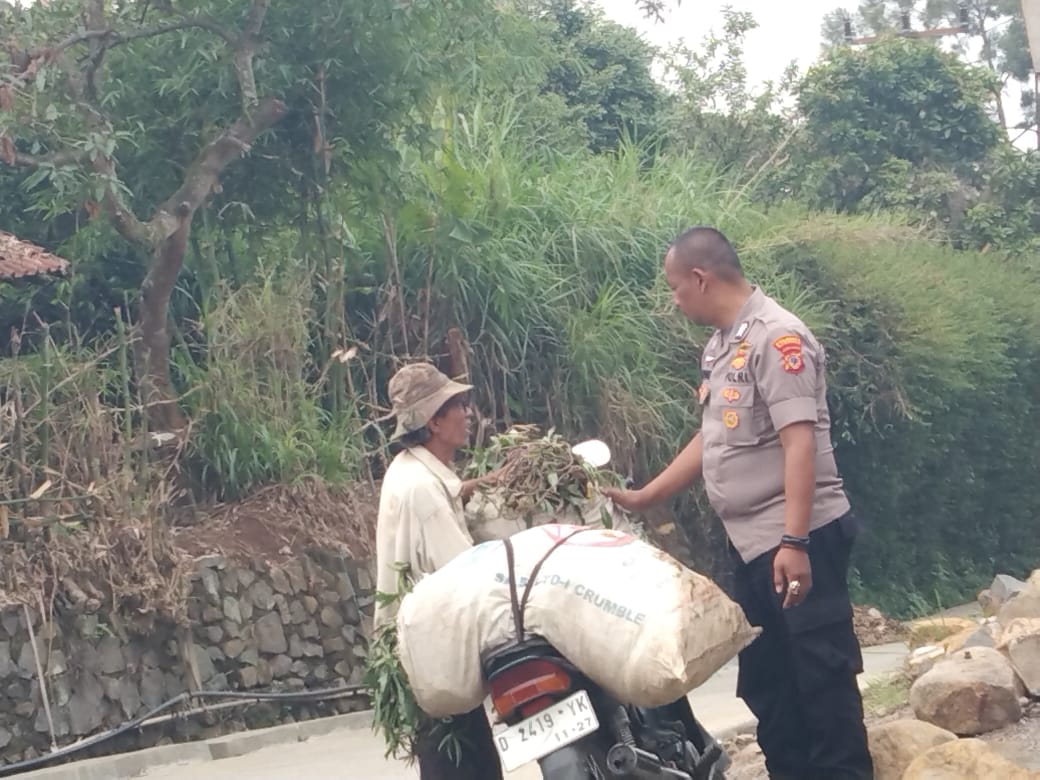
[(558, 726)]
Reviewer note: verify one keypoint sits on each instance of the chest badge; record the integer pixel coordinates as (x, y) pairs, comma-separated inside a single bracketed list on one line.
[(731, 419), (740, 359), (731, 394)]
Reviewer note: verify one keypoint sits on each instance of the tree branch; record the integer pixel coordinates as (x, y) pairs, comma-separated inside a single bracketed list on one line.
[(245, 50), (205, 171)]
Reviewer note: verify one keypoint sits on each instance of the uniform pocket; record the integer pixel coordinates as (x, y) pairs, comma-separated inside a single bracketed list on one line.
[(737, 405)]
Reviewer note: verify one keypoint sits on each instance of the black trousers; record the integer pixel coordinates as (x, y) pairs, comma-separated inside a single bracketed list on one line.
[(478, 759), (799, 676)]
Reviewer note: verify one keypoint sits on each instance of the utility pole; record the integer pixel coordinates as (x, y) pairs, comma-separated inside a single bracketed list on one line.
[(1031, 12)]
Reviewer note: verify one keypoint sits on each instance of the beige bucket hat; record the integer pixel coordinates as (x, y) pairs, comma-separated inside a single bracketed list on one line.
[(417, 392)]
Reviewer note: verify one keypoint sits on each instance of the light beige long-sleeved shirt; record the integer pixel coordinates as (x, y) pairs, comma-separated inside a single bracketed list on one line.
[(421, 521)]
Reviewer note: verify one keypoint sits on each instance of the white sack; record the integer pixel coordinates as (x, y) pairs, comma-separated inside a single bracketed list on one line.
[(489, 519), (634, 620)]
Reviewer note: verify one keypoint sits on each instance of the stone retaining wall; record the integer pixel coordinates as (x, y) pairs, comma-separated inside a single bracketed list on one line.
[(253, 626)]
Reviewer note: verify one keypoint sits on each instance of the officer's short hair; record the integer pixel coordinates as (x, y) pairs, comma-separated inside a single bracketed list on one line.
[(709, 249)]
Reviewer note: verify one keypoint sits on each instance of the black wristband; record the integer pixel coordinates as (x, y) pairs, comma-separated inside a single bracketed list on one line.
[(800, 542)]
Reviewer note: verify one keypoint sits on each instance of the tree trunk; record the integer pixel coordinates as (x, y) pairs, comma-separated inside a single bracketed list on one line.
[(153, 343)]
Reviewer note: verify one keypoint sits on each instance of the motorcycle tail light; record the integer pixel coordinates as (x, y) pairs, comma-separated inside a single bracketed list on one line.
[(528, 687)]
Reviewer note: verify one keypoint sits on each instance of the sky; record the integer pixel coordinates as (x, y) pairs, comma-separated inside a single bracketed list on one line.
[(786, 31), (783, 34)]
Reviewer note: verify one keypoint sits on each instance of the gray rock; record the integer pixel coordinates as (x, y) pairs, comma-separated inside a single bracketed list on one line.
[(343, 668), (112, 661), (331, 617), (87, 626), (1005, 586), (174, 684), (1024, 604), (61, 691), (359, 651), (218, 683), (10, 621), (129, 698), (60, 719), (210, 586), (86, 713), (309, 630), (246, 577), (364, 578), (213, 634), (212, 615), (25, 709), (334, 645), (153, 685), (250, 656), (350, 634), (231, 610), (110, 685), (351, 613), (297, 577), (282, 605), (264, 673), (150, 660), (281, 666), (357, 676), (233, 648), (245, 608), (270, 635), (5, 738), (280, 581), (345, 587), (7, 666), (297, 613), (262, 595), (26, 661), (321, 672), (330, 598), (309, 603), (312, 650), (248, 677), (204, 664), (297, 684), (17, 690), (229, 583), (300, 668), (295, 647), (232, 630)]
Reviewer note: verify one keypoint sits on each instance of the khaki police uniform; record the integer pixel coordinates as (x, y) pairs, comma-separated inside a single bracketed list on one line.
[(799, 677)]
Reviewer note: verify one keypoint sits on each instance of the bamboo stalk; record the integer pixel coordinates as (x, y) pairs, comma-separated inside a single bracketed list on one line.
[(43, 680)]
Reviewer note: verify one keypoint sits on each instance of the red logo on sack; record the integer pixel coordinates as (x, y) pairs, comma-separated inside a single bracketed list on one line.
[(593, 537)]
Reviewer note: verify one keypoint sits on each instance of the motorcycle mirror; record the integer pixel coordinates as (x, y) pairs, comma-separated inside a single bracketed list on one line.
[(594, 452)]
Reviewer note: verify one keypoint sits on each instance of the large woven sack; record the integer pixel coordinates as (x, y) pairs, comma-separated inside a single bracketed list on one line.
[(635, 621)]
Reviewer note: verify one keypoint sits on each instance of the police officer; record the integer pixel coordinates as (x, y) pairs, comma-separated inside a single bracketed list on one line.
[(765, 455)]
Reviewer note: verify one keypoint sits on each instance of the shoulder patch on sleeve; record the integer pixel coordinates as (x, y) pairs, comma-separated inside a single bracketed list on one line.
[(790, 349)]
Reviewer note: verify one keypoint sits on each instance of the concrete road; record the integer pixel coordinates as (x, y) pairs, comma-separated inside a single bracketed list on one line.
[(358, 754)]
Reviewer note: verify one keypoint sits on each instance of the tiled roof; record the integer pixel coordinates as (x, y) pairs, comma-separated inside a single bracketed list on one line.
[(20, 258)]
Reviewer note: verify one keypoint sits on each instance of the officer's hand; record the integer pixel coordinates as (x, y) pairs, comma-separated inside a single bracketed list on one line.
[(789, 566), (632, 500)]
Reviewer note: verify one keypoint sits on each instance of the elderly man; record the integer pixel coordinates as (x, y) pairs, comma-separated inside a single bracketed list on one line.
[(764, 452), (421, 524)]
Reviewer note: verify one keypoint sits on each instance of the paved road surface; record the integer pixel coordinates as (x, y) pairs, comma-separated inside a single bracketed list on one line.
[(358, 755)]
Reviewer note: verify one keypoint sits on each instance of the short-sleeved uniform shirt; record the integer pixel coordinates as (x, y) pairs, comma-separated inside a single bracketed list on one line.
[(764, 373), (421, 521)]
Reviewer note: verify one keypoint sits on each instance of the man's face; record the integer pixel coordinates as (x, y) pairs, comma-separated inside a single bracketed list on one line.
[(689, 289), (451, 425)]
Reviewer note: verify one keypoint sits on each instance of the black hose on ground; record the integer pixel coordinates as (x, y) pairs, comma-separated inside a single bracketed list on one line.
[(294, 696)]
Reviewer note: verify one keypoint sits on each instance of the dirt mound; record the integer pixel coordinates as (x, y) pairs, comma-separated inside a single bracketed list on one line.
[(874, 628), (278, 522)]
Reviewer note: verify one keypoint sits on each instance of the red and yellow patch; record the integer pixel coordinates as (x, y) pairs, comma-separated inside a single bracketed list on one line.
[(740, 359), (790, 349), (739, 362), (731, 394), (731, 419)]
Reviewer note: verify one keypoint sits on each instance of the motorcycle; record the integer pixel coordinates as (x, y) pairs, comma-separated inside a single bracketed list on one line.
[(576, 731), (555, 716)]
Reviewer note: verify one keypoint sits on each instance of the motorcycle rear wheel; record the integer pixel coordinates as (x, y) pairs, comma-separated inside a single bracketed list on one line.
[(584, 760)]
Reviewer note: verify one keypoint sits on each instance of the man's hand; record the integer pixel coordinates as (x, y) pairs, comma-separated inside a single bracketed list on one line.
[(632, 500), (791, 565), (470, 486)]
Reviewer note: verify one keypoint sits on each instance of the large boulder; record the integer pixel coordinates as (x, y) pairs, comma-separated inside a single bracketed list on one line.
[(1024, 604), (1005, 587), (1021, 642), (1034, 579), (972, 692), (983, 635), (894, 745), (963, 759)]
